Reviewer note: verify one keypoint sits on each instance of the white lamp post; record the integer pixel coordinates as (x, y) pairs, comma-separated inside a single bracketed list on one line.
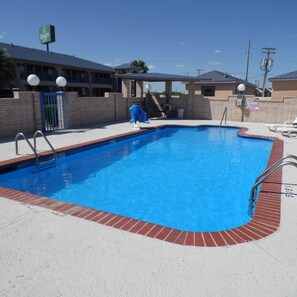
[(148, 87), (147, 105), (241, 88), (61, 81), (33, 80)]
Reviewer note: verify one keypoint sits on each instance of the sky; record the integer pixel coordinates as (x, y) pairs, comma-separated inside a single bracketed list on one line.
[(172, 37)]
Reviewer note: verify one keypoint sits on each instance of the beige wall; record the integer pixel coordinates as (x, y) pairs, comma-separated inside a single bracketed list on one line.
[(223, 90), (284, 88), (212, 109), (24, 114), (20, 115)]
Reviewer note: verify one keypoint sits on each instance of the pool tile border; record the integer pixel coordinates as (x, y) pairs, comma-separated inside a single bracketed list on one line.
[(266, 219)]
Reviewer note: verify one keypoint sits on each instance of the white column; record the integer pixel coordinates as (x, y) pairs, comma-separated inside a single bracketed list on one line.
[(139, 89)]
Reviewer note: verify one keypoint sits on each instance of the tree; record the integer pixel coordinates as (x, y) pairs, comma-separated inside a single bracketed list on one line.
[(7, 71), (140, 64)]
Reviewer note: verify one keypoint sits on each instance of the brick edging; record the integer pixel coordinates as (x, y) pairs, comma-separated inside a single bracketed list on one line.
[(266, 219)]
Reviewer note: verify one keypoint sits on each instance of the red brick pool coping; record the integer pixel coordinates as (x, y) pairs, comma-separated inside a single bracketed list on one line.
[(266, 219)]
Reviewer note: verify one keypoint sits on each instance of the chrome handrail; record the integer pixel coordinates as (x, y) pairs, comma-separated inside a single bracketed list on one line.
[(34, 149), (28, 142), (260, 180), (224, 115), (40, 133), (276, 164)]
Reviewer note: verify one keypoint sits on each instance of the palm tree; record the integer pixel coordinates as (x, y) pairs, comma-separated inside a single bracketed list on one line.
[(140, 64), (7, 71)]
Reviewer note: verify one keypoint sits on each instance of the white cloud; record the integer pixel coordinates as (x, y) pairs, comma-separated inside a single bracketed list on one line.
[(179, 65), (2, 34), (214, 63), (181, 43), (115, 63), (150, 67), (217, 51)]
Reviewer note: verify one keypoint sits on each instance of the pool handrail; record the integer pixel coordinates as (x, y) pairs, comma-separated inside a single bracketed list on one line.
[(34, 149), (276, 164), (224, 115), (28, 142), (45, 138), (254, 191)]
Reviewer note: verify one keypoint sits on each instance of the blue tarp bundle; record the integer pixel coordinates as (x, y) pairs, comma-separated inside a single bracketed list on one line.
[(137, 114)]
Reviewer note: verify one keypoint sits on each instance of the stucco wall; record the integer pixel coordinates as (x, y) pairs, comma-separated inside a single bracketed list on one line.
[(222, 90), (282, 89)]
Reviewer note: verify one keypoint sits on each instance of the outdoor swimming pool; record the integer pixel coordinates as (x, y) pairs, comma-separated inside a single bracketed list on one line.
[(191, 179)]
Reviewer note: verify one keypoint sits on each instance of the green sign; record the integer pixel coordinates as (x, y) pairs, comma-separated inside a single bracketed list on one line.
[(47, 34)]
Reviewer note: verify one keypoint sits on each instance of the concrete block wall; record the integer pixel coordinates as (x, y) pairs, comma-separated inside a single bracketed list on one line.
[(84, 111), (21, 114), (274, 111), (202, 108)]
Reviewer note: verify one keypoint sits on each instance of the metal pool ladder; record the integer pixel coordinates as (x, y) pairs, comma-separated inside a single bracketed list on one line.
[(262, 177), (39, 165), (224, 116)]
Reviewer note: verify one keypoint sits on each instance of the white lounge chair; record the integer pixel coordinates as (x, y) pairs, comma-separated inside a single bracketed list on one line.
[(278, 127), (289, 131)]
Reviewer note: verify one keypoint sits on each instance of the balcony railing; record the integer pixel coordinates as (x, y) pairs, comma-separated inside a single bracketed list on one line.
[(102, 80), (76, 79), (42, 75)]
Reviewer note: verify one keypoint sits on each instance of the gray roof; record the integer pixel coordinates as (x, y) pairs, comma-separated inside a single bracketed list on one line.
[(127, 66), (286, 76), (34, 55), (220, 77), (156, 77)]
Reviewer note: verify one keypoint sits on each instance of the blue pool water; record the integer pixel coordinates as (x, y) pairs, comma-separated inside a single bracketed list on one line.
[(191, 179)]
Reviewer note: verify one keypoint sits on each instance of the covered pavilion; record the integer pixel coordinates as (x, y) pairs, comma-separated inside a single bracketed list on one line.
[(140, 78)]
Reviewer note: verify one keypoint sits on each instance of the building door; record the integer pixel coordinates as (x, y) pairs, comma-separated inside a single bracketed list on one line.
[(53, 111)]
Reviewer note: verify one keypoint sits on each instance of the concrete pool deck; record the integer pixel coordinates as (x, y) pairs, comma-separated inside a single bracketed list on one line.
[(47, 253)]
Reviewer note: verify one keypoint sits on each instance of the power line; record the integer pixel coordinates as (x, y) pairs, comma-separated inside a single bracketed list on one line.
[(266, 64)]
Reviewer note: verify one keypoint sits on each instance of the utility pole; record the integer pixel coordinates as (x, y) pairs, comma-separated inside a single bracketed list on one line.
[(266, 64), (248, 61), (199, 70)]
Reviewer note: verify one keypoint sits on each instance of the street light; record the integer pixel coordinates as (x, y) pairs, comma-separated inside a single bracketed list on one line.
[(148, 87), (61, 81), (147, 104), (33, 80), (241, 88)]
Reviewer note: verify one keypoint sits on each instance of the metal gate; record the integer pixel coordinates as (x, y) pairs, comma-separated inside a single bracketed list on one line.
[(53, 111)]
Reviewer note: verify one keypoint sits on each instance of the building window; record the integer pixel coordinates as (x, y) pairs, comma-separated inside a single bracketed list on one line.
[(133, 88), (208, 91)]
